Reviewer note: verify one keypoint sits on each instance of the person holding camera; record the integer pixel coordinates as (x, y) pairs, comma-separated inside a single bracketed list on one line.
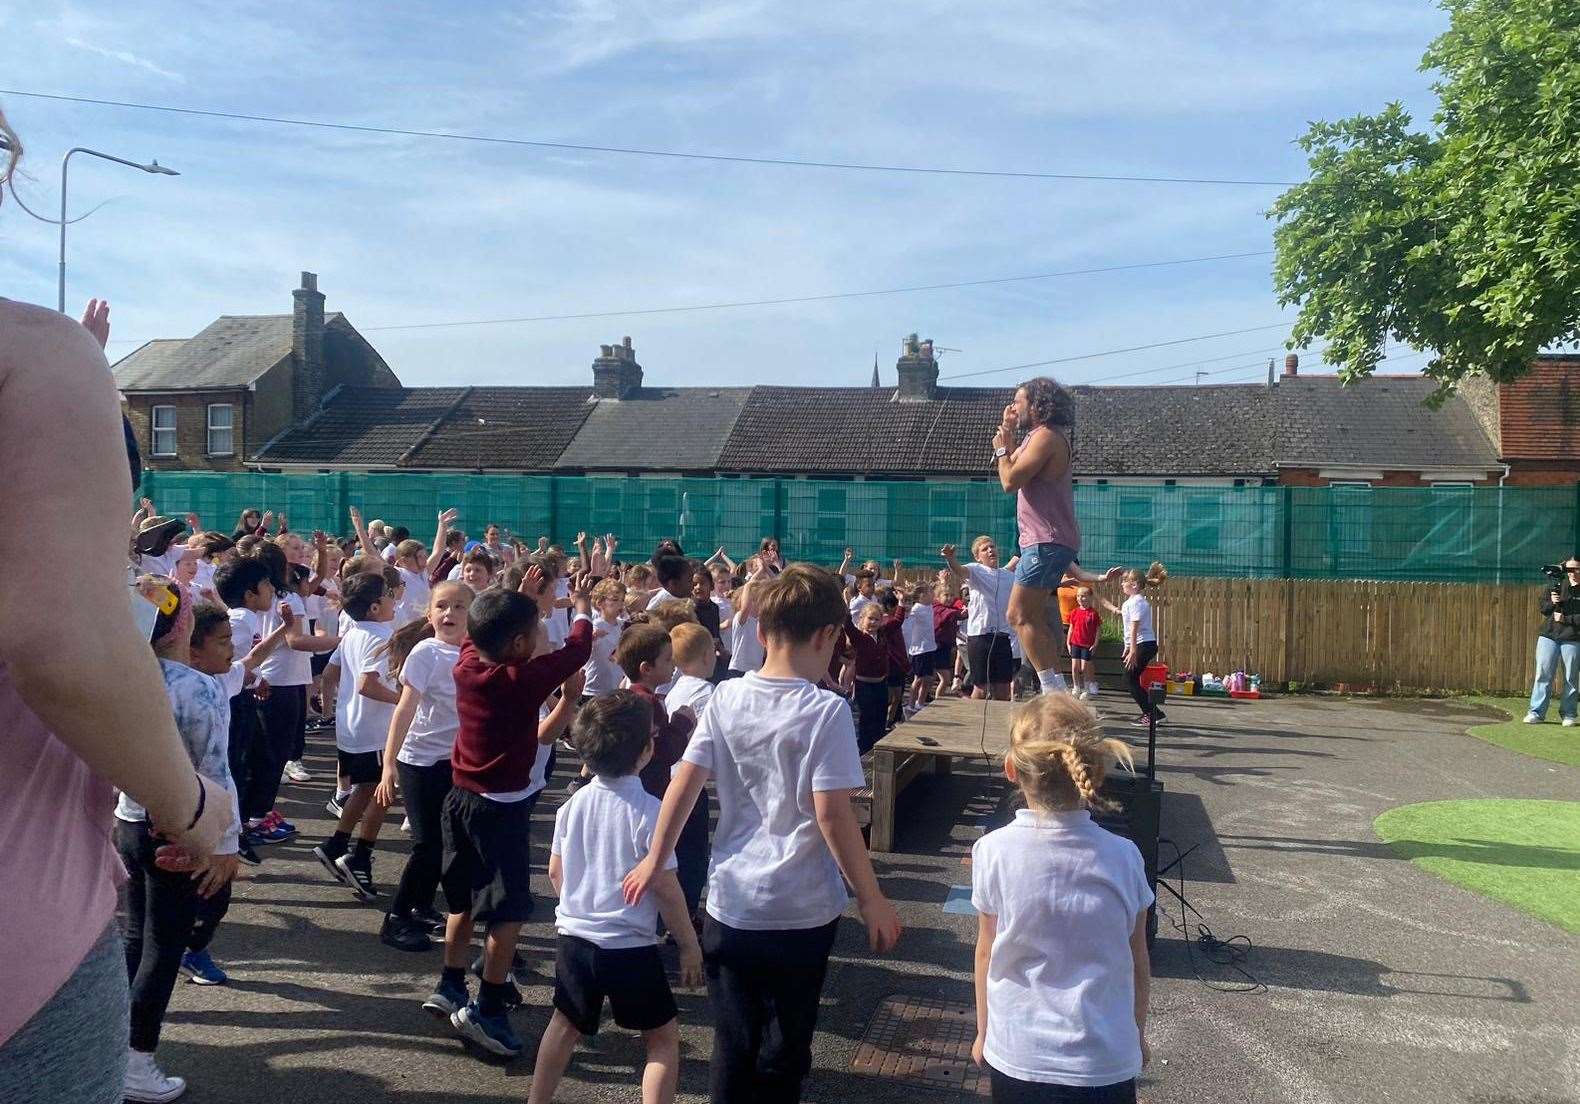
[(1559, 639)]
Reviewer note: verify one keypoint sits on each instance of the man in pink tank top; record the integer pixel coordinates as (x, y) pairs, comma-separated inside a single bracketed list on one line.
[(1037, 471)]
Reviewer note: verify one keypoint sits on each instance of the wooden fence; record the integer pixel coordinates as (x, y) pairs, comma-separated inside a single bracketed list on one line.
[(1388, 636)]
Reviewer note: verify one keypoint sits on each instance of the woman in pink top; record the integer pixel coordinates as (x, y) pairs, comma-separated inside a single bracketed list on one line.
[(82, 710), (1037, 471)]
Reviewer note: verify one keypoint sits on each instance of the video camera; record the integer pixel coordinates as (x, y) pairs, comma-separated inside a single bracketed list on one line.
[(1554, 572)]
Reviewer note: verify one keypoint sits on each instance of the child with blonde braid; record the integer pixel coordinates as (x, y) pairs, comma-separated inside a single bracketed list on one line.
[(1062, 973)]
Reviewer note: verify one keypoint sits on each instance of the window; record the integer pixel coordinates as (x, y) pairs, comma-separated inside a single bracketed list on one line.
[(221, 429), (1133, 533), (1203, 522), (164, 431)]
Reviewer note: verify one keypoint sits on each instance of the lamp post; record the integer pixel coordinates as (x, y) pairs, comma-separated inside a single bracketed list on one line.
[(152, 167)]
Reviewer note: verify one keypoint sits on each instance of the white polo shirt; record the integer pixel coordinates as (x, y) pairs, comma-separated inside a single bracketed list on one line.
[(770, 744), (430, 670), (1060, 982), (1138, 611), (362, 724), (601, 832), (603, 675), (988, 608), (688, 690)]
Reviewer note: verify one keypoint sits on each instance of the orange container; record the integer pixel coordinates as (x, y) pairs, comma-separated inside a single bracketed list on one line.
[(1156, 674)]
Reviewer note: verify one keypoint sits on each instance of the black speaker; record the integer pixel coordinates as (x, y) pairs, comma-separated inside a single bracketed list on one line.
[(1140, 801)]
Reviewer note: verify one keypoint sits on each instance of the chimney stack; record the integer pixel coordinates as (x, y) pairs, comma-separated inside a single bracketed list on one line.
[(616, 374), (1291, 366), (307, 348), (918, 370)]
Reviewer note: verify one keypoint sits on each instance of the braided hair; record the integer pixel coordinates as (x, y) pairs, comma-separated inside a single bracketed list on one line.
[(1060, 756)]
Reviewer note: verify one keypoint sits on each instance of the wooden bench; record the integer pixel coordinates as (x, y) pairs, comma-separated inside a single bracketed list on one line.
[(929, 743)]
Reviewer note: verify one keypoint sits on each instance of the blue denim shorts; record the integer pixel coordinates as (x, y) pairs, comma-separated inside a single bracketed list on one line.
[(1042, 566)]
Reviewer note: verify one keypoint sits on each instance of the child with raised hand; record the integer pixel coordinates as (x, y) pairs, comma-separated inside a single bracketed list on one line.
[(602, 674), (1062, 973), (497, 768), (607, 948), (367, 702), (422, 658), (782, 756), (869, 674), (921, 643)]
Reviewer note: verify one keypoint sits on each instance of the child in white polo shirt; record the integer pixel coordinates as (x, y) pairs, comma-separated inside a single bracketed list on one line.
[(783, 759), (1062, 974), (607, 948)]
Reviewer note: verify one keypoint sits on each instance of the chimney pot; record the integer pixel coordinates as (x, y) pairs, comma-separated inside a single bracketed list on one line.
[(1292, 365), (307, 348), (616, 374), (918, 370)]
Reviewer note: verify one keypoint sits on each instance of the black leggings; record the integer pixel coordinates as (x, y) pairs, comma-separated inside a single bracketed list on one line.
[(1145, 653), (159, 910), (422, 791), (872, 707), (765, 987), (284, 723)]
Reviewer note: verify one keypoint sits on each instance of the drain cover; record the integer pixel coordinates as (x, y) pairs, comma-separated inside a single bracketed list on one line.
[(922, 1042)]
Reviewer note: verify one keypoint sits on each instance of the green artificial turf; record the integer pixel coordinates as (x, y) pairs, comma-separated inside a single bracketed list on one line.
[(1523, 853), (1549, 740)]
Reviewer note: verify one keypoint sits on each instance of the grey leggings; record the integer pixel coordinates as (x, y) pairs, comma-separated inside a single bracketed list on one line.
[(73, 1050)]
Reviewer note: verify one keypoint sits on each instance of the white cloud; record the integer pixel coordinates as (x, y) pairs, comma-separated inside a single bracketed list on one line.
[(126, 57)]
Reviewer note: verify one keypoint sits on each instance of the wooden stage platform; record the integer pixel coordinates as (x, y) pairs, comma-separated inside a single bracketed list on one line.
[(948, 729)]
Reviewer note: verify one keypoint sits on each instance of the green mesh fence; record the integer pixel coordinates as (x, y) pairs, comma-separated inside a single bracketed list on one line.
[(1449, 534)]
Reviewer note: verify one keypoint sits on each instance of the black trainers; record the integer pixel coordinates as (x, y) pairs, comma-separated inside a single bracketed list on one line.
[(403, 934), (358, 874), (328, 855), (430, 919), (246, 854)]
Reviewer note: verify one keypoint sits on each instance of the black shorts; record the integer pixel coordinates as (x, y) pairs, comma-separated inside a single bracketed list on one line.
[(632, 978), (1078, 652), (944, 658), (359, 767), (487, 856), (897, 680), (989, 658), (319, 661), (922, 665)]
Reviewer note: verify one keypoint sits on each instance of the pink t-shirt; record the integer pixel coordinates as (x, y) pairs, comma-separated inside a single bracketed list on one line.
[(1045, 507), (57, 862)]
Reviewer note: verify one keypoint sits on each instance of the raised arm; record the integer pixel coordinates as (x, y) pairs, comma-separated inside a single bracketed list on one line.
[(845, 564), (1022, 463), (948, 553), (436, 553), (368, 547)]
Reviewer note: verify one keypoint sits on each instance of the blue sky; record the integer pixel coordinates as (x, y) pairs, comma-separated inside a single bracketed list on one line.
[(408, 230)]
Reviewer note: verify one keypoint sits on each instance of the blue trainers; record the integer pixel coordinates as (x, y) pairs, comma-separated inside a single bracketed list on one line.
[(493, 1033), (447, 1000), (261, 834), (200, 969)]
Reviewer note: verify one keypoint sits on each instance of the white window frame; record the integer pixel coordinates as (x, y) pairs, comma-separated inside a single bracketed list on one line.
[(211, 428), (155, 429)]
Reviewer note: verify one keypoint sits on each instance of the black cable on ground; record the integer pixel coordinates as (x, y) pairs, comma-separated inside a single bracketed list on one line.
[(1231, 952)]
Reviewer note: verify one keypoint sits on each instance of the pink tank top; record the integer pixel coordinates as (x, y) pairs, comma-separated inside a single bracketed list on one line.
[(1045, 507), (58, 867)]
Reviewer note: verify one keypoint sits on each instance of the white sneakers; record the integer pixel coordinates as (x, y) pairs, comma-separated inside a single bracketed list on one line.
[(146, 1083), (295, 772), (1532, 718), (1569, 722)]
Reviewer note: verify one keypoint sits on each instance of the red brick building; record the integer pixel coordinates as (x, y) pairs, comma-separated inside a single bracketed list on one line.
[(1534, 423)]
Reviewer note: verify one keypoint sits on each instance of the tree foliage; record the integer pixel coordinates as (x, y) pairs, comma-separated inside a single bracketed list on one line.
[(1464, 240)]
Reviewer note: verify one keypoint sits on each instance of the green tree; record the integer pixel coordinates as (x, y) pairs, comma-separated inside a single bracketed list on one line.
[(1464, 240)]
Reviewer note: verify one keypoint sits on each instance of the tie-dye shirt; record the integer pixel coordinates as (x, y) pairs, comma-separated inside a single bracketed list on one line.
[(201, 704)]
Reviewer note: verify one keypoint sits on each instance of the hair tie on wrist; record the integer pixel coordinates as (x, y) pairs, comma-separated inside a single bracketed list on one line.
[(202, 802)]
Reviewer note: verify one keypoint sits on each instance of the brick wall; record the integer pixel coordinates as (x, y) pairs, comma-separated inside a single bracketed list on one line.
[(191, 430), (1310, 477), (1536, 473)]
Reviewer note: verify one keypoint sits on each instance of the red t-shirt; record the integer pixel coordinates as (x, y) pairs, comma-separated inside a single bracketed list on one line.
[(1084, 624)]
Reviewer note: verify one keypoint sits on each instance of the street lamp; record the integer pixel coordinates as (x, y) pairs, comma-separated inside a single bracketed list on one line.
[(152, 167)]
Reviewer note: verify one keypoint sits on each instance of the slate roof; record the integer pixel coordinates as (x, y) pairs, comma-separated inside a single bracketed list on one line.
[(517, 428), (363, 426), (664, 428), (1226, 430), (232, 351), (1377, 423), (859, 429)]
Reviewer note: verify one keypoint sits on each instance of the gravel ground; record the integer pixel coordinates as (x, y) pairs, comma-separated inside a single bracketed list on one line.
[(1375, 980)]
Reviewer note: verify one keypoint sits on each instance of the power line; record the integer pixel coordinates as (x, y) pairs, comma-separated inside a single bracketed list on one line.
[(813, 298), (1112, 352), (636, 151)]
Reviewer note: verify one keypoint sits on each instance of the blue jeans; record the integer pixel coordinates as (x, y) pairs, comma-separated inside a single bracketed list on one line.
[(1042, 566), (1548, 652)]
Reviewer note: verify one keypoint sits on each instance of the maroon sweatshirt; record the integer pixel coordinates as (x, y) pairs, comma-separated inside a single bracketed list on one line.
[(875, 654), (670, 736), (498, 704)]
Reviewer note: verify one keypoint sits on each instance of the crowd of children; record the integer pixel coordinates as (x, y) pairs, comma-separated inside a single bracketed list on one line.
[(766, 682)]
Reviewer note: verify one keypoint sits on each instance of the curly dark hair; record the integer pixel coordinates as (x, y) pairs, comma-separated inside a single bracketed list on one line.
[(1050, 403)]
